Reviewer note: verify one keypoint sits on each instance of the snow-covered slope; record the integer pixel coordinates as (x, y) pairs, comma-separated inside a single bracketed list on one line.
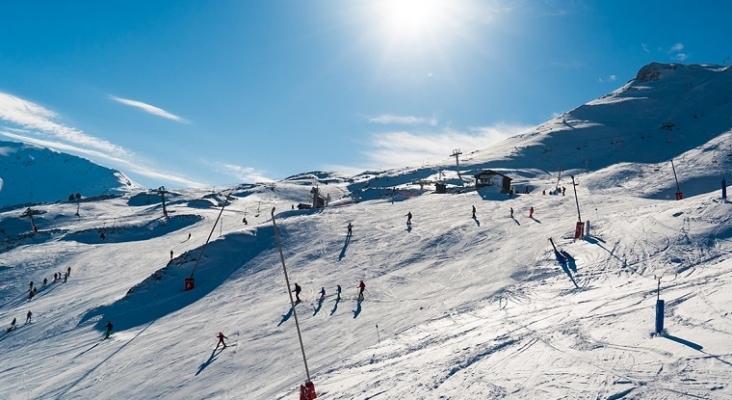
[(456, 307), (30, 174)]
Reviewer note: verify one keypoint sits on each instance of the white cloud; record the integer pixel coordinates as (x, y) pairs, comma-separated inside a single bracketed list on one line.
[(34, 117), (680, 57), (148, 108), (115, 162), (613, 77), (645, 48), (676, 47), (400, 149), (242, 174), (389, 119)]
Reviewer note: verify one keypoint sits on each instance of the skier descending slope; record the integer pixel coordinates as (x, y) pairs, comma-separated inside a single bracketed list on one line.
[(221, 340), (297, 291), (361, 288), (109, 329), (338, 292)]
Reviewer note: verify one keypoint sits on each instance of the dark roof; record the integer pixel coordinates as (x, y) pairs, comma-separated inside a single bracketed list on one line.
[(490, 172)]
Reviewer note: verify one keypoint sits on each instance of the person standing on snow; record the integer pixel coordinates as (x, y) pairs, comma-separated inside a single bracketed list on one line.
[(531, 212), (350, 229), (221, 340), (68, 271), (322, 293), (338, 292), (361, 288), (473, 212), (409, 218), (29, 317), (297, 291), (109, 327), (511, 212)]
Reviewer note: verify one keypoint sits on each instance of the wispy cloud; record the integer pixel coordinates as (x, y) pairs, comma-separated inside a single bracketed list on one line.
[(31, 116), (242, 174), (611, 78), (148, 108), (645, 48), (400, 149), (389, 119), (676, 52)]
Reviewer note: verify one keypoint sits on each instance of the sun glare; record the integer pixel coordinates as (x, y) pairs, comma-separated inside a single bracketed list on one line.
[(414, 19)]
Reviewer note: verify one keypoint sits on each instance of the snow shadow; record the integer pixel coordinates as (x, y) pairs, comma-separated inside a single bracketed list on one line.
[(29, 238), (357, 311), (493, 194), (318, 307), (562, 260), (335, 307), (535, 220), (214, 353), (516, 221), (345, 246), (477, 221), (133, 233), (685, 342), (287, 316), (162, 293)]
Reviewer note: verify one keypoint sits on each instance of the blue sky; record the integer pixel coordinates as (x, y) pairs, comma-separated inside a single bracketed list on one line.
[(192, 93)]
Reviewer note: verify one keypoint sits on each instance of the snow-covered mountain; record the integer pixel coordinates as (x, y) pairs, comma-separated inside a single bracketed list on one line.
[(31, 174), (456, 307)]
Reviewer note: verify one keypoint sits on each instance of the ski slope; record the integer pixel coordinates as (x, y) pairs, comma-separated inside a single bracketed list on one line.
[(455, 308)]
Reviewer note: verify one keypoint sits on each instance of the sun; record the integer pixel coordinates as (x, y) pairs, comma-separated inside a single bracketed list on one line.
[(414, 19)]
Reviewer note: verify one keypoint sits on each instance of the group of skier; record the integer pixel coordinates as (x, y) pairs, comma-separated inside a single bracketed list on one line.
[(33, 291), (361, 288), (28, 320)]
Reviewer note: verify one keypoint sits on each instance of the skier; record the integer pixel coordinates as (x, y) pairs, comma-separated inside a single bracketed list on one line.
[(297, 291), (68, 271), (30, 295), (109, 329), (31, 285), (564, 190), (221, 340), (171, 254), (322, 293), (66, 276), (473, 212), (12, 325), (361, 288), (55, 277), (189, 237), (45, 281), (29, 317), (101, 236), (511, 212), (338, 292), (350, 229), (244, 220), (409, 218), (531, 212)]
